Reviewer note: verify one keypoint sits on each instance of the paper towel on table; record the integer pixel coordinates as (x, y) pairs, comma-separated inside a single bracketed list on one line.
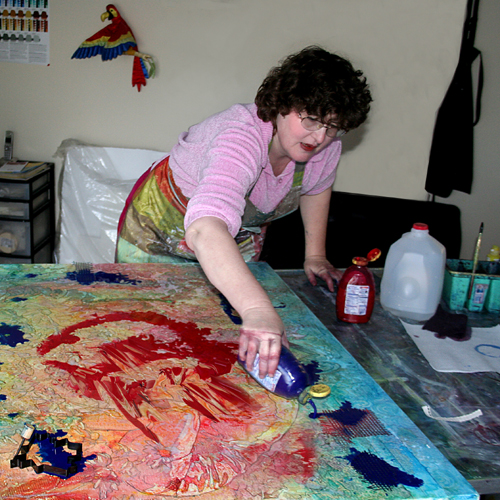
[(481, 353)]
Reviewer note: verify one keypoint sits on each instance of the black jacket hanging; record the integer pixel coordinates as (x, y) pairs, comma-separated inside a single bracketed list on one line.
[(451, 156)]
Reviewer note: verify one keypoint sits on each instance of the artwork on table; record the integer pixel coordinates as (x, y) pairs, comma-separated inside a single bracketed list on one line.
[(114, 40), (137, 362)]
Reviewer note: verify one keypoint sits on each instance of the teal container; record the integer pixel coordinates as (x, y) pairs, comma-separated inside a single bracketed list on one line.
[(486, 288), (493, 298)]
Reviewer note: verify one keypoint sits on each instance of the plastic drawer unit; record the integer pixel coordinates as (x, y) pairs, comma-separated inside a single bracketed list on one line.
[(27, 216)]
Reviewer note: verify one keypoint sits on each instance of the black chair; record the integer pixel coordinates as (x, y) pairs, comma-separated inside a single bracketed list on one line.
[(358, 223)]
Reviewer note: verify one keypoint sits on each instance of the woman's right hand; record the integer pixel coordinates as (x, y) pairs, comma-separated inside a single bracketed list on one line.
[(262, 332)]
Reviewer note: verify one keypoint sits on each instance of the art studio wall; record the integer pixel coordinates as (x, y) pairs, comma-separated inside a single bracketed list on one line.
[(213, 53)]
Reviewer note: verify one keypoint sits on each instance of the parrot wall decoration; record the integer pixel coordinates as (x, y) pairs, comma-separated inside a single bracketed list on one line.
[(113, 41)]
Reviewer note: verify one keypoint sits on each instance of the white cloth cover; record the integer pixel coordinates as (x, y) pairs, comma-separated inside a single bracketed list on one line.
[(95, 184)]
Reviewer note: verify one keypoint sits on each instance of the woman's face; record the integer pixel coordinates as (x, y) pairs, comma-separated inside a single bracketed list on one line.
[(294, 142)]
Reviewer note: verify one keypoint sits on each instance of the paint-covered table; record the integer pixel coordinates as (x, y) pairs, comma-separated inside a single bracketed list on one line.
[(137, 363), (390, 356)]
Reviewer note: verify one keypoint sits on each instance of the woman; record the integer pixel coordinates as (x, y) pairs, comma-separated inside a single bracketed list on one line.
[(230, 175)]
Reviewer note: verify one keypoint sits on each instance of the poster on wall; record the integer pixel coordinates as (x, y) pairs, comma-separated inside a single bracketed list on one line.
[(24, 31)]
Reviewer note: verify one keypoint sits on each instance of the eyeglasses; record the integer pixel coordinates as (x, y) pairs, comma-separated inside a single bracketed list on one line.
[(314, 125)]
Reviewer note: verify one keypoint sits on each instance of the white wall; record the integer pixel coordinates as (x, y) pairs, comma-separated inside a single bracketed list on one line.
[(483, 204), (212, 53)]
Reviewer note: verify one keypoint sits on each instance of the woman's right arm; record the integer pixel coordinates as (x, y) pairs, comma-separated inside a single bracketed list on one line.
[(220, 258)]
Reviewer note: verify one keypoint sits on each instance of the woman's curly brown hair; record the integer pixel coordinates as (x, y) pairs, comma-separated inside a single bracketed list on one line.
[(319, 83)]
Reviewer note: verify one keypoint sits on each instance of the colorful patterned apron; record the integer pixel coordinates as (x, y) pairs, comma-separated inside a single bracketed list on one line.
[(151, 227)]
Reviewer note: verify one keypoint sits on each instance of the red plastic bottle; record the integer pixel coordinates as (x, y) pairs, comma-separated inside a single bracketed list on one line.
[(356, 291)]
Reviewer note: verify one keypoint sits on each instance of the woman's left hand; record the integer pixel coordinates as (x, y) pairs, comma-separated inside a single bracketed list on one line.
[(319, 266)]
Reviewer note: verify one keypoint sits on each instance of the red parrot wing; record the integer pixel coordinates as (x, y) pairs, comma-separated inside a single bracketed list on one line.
[(110, 42)]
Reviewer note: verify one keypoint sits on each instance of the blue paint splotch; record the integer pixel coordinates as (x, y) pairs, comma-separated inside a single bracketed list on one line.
[(87, 277), (18, 299), (11, 335), (3, 397), (379, 473), (348, 415), (57, 457), (313, 371)]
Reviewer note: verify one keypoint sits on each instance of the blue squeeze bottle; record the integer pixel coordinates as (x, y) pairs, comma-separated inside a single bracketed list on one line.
[(290, 381)]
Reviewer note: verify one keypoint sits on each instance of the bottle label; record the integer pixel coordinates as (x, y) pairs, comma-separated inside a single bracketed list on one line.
[(356, 299), (268, 382), (479, 293)]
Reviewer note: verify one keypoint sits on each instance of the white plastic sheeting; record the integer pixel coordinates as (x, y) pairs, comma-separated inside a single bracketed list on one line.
[(95, 184)]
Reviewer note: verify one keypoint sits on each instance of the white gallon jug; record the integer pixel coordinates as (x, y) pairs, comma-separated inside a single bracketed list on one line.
[(412, 282)]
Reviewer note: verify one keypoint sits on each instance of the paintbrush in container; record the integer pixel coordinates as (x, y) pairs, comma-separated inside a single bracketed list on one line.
[(475, 259)]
